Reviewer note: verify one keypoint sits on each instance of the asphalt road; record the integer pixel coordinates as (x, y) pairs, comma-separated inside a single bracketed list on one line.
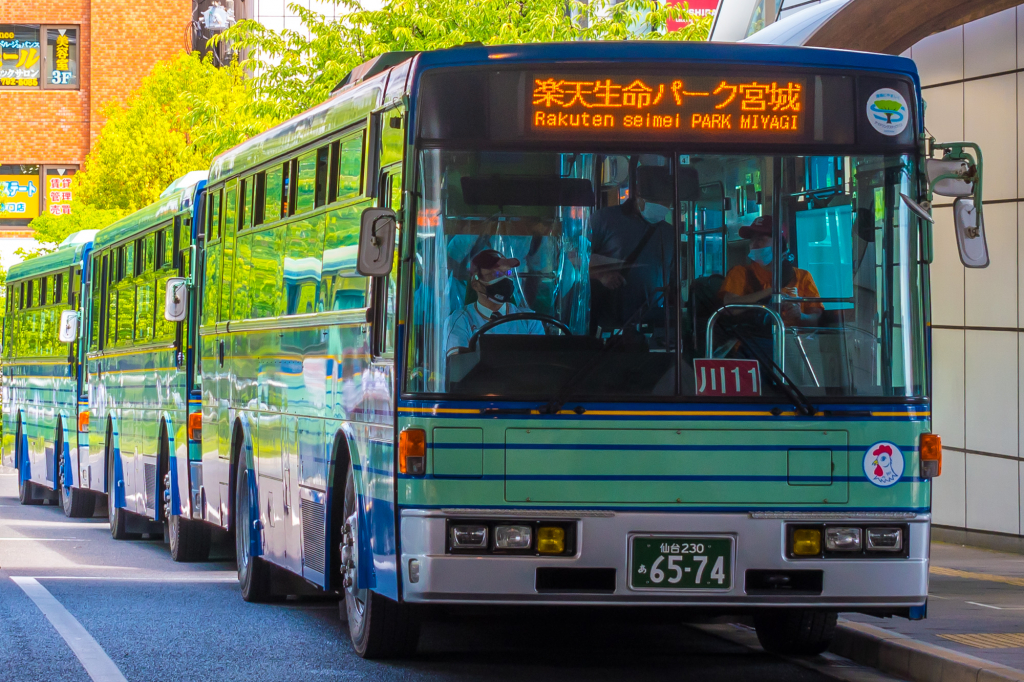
[(130, 611)]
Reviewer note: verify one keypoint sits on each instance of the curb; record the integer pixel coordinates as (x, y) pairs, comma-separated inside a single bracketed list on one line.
[(909, 659)]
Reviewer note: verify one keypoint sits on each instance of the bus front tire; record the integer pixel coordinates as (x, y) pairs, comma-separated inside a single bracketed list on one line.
[(189, 540), (77, 504), (117, 516), (254, 575), (379, 627), (795, 632)]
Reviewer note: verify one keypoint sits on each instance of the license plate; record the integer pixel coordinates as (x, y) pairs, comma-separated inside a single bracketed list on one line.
[(687, 563)]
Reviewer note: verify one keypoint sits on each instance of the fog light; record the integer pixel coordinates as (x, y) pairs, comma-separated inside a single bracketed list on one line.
[(885, 539), (414, 570), (806, 542), (550, 540), (842, 539), (513, 537), (469, 537)]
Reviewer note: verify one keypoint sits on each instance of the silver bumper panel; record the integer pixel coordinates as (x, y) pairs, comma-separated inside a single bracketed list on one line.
[(603, 542)]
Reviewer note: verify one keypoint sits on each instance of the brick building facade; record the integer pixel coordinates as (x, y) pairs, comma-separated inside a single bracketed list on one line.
[(87, 54)]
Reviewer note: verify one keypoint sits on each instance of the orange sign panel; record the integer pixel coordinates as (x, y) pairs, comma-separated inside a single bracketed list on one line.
[(665, 106)]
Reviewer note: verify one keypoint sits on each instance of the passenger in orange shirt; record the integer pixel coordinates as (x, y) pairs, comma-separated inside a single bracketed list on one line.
[(752, 283)]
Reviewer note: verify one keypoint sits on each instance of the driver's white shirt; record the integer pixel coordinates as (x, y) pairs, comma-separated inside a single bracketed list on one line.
[(462, 324)]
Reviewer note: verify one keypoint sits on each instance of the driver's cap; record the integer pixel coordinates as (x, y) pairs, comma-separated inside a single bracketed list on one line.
[(490, 259)]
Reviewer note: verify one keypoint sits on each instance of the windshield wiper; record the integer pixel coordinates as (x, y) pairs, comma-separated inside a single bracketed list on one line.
[(781, 379)]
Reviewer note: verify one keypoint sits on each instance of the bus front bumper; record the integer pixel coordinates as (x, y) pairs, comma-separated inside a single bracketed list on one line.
[(887, 584)]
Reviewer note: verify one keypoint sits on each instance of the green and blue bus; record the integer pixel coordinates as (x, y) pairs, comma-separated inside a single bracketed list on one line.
[(582, 324), (45, 411), (140, 371)]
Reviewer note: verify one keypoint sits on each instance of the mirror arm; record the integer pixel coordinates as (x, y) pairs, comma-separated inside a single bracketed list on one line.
[(961, 151)]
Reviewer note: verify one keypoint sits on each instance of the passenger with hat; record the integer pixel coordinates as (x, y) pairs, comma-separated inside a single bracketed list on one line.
[(491, 279), (751, 283)]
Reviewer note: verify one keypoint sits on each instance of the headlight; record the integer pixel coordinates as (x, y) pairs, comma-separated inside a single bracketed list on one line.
[(469, 537), (885, 539), (513, 537), (842, 539)]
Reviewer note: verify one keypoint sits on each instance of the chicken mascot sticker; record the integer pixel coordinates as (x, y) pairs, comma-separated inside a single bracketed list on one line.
[(883, 464)]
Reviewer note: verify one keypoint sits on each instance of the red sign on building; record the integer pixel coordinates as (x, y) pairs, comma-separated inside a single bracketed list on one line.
[(698, 7)]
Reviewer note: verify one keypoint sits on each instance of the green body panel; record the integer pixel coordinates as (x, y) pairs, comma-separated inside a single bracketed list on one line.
[(680, 464)]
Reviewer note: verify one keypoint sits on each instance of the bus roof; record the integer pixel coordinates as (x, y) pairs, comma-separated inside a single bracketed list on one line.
[(178, 196), (70, 252), (354, 102)]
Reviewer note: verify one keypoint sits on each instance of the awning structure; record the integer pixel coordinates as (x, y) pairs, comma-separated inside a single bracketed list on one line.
[(874, 25)]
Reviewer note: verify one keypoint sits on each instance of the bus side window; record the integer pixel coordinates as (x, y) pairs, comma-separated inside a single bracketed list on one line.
[(322, 173), (305, 199), (96, 270), (350, 167), (58, 288), (227, 253), (273, 194)]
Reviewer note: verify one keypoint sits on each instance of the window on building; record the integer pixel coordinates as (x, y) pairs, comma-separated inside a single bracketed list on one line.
[(34, 56)]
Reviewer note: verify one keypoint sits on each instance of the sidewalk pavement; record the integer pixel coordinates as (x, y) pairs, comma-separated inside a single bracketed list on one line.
[(975, 605)]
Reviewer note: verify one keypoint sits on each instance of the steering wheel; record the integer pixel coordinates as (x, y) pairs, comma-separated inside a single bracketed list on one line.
[(488, 326)]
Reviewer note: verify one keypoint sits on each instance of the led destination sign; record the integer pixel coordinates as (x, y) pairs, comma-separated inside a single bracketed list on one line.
[(665, 106)]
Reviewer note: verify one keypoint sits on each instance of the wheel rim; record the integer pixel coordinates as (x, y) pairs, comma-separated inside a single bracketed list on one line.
[(355, 599), (241, 526)]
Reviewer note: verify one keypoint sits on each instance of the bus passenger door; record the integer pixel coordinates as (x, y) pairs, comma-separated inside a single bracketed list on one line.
[(218, 468)]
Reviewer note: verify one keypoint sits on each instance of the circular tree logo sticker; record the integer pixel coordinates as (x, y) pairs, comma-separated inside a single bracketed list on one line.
[(888, 112), (883, 464)]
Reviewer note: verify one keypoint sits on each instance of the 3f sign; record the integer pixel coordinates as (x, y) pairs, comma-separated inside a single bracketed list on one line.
[(722, 377)]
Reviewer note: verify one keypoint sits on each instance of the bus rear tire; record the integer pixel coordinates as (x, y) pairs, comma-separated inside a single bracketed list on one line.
[(77, 504), (795, 632), (254, 574), (189, 540), (380, 628)]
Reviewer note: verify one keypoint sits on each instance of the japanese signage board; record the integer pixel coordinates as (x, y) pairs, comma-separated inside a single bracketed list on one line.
[(20, 56), (732, 106), (19, 196), (59, 191), (62, 55)]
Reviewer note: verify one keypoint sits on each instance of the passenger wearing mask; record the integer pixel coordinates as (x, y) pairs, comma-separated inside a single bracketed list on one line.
[(490, 278), (633, 253), (751, 283)]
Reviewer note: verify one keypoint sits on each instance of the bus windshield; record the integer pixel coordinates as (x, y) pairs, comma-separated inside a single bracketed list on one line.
[(605, 276)]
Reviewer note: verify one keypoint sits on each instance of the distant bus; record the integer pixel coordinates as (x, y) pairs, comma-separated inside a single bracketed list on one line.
[(45, 415), (625, 324), (140, 372)]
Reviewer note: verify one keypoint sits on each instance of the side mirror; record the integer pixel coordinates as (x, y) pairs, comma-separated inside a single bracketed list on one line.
[(376, 242), (951, 177), (175, 300), (68, 332), (970, 233)]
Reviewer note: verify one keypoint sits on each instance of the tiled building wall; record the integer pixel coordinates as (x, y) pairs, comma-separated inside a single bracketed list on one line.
[(973, 80)]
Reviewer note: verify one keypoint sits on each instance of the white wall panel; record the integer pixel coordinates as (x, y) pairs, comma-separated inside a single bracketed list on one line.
[(948, 385), (993, 494), (949, 491), (990, 391), (940, 58), (990, 294), (947, 272), (990, 108), (944, 113), (990, 44)]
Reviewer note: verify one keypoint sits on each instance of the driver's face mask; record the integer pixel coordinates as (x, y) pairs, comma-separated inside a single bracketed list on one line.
[(762, 256), (499, 289), (655, 213)]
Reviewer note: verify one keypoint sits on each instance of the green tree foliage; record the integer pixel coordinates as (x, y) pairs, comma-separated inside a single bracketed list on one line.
[(51, 230), (295, 71)]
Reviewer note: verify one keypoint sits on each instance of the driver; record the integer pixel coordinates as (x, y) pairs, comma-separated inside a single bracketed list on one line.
[(490, 278)]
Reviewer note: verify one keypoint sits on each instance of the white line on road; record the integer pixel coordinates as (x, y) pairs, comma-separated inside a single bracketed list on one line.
[(43, 540), (94, 659), (212, 577), (987, 606)]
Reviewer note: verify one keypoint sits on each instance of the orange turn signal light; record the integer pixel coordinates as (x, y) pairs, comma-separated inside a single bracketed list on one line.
[(412, 452), (195, 426), (83, 421), (931, 455)]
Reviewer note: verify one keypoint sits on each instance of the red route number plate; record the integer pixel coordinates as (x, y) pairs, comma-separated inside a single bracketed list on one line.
[(723, 377)]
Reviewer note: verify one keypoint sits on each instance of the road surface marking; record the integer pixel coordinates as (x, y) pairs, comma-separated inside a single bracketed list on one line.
[(987, 606), (990, 577), (1007, 640), (43, 540), (212, 577), (92, 656)]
